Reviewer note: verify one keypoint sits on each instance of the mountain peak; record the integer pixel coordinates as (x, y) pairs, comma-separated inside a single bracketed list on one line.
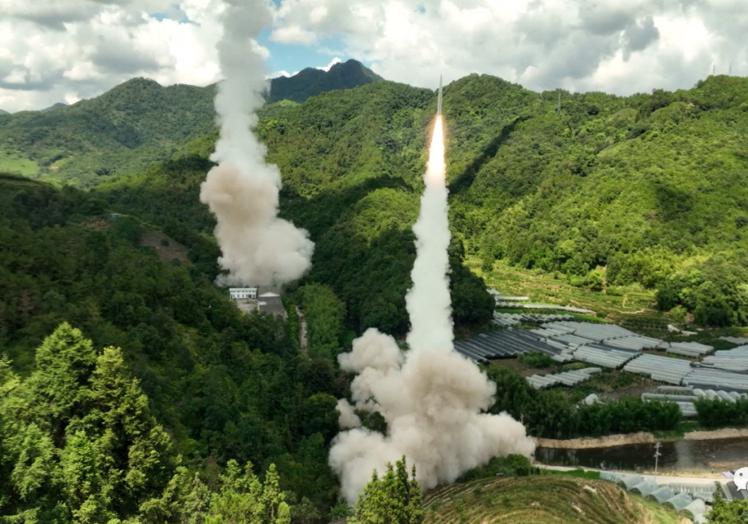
[(310, 81)]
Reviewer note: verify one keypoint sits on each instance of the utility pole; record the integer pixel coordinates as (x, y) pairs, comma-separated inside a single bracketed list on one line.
[(657, 455), (558, 103)]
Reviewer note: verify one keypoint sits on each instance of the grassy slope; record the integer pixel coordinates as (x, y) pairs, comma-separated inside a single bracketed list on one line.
[(541, 500), (617, 303)]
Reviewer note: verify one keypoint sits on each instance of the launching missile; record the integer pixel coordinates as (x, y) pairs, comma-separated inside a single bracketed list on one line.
[(439, 98)]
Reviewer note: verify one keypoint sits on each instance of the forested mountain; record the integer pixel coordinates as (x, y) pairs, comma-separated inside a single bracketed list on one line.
[(137, 123), (648, 189), (166, 380), (224, 384), (126, 129), (310, 81)]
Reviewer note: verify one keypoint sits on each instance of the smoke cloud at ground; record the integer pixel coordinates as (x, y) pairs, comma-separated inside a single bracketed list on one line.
[(432, 398), (242, 190)]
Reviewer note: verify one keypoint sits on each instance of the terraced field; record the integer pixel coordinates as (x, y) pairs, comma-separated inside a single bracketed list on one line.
[(542, 500), (618, 304)]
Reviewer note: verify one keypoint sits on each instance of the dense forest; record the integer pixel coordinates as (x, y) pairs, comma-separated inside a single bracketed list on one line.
[(225, 385), (134, 125), (130, 385), (647, 190)]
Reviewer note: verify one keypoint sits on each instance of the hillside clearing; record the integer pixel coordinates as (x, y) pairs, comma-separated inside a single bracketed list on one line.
[(542, 500)]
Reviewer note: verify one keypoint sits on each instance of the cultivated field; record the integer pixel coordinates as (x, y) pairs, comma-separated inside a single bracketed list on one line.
[(545, 499)]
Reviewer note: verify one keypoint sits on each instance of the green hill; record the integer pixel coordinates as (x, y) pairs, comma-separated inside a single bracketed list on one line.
[(124, 130), (610, 192), (542, 500), (133, 125), (310, 81), (225, 384)]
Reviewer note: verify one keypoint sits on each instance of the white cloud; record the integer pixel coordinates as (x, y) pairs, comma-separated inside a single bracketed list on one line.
[(622, 47), (293, 34), (52, 50), (72, 49), (331, 63)]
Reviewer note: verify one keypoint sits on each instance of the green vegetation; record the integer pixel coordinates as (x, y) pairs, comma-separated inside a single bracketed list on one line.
[(80, 444), (310, 81), (536, 360), (629, 203), (325, 314), (720, 413), (551, 414), (224, 385), (614, 191), (360, 217), (615, 303), (14, 163), (393, 499), (509, 466), (133, 126), (732, 512), (124, 130), (541, 499)]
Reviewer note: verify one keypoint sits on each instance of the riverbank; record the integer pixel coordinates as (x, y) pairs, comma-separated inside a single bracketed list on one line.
[(642, 437)]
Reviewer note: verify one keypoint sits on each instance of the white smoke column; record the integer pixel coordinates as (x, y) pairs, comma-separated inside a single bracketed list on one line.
[(428, 301), (432, 398), (242, 190)]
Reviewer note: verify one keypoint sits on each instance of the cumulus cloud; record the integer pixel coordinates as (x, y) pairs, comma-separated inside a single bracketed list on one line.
[(622, 47), (72, 49), (79, 48), (50, 14)]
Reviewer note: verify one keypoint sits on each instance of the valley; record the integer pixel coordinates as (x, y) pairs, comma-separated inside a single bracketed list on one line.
[(594, 204)]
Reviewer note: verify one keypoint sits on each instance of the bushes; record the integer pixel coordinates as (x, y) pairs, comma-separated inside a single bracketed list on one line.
[(716, 293), (627, 415), (552, 414), (324, 313), (536, 360), (720, 413), (511, 465)]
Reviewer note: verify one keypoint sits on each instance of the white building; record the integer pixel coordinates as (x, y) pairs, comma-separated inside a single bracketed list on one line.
[(243, 293)]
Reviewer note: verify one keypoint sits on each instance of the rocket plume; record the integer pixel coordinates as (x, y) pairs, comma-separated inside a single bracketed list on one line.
[(242, 190), (432, 398)]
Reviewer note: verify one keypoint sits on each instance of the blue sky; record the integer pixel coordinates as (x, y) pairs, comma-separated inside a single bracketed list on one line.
[(295, 57)]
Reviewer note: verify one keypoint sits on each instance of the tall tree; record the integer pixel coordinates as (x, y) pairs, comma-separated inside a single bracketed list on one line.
[(78, 436), (393, 499)]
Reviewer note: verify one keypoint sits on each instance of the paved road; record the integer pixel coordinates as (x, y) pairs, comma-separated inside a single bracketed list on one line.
[(303, 339)]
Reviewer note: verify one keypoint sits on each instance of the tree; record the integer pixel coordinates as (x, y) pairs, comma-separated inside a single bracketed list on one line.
[(393, 499), (324, 313), (242, 497), (732, 512), (139, 459), (58, 386), (80, 438), (185, 500)]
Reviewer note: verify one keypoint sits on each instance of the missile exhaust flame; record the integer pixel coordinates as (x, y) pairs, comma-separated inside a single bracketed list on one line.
[(432, 398)]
